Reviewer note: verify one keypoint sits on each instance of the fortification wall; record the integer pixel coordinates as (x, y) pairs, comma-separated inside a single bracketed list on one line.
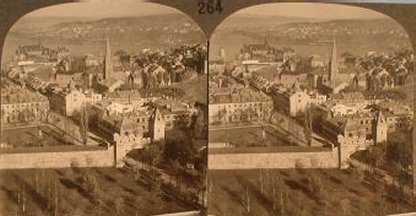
[(96, 158), (277, 160)]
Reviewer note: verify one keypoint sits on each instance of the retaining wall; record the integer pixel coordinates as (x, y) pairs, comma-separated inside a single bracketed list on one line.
[(94, 158), (276, 160)]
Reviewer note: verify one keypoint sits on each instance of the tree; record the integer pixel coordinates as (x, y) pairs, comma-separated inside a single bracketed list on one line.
[(222, 113), (182, 121), (99, 206), (308, 126), (347, 55), (316, 188), (244, 115), (89, 184), (118, 205), (21, 198), (154, 153), (245, 198), (120, 53), (84, 124), (56, 207), (376, 156), (22, 116), (177, 170), (198, 125), (345, 206)]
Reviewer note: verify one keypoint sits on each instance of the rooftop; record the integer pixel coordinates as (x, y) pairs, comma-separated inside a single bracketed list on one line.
[(124, 94), (241, 95)]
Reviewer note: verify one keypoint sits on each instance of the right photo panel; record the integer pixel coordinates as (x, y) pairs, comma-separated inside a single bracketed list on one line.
[(310, 112)]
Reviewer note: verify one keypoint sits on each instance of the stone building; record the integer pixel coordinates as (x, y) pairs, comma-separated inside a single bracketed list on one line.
[(145, 123), (292, 101), (332, 82), (238, 106), (67, 102), (20, 105), (331, 127)]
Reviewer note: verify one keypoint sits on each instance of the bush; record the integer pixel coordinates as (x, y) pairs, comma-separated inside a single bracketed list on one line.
[(89, 183), (316, 188)]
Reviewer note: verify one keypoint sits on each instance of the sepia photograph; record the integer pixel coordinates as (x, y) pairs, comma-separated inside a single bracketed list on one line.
[(206, 107), (104, 112), (310, 112)]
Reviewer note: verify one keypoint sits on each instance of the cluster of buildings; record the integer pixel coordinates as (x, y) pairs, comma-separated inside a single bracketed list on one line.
[(30, 56), (264, 53), (148, 69), (334, 99), (79, 85)]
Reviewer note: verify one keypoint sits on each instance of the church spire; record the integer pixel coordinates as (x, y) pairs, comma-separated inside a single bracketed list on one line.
[(108, 67), (333, 64)]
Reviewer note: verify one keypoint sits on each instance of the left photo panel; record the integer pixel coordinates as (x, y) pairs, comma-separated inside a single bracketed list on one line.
[(103, 112)]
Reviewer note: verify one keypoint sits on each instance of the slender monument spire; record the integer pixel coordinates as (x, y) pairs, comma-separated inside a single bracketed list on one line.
[(108, 67), (333, 65)]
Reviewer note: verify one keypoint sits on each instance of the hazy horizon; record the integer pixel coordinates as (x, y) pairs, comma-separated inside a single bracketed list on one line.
[(310, 10), (99, 10)]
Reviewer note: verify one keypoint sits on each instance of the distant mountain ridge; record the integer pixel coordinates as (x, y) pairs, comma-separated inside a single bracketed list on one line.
[(163, 30), (310, 36)]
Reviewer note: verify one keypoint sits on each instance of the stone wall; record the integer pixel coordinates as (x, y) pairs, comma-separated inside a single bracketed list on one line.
[(126, 143), (276, 160), (95, 158), (112, 156)]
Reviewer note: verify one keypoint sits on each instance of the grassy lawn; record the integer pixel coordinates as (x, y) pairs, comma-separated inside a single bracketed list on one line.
[(345, 193), (27, 137), (249, 137), (111, 184)]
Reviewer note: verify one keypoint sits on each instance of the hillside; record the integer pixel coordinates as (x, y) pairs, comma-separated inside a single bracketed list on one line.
[(84, 35), (311, 36)]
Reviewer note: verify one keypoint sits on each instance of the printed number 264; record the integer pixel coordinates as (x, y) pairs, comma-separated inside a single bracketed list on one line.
[(209, 6)]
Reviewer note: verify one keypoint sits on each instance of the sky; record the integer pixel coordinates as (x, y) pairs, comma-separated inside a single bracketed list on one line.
[(128, 8), (312, 10), (103, 9)]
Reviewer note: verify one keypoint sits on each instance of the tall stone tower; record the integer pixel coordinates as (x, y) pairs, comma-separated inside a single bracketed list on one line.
[(157, 126), (380, 128), (333, 64), (108, 66)]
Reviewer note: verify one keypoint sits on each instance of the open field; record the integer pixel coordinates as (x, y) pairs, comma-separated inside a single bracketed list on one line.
[(250, 137), (340, 192), (115, 189), (30, 136)]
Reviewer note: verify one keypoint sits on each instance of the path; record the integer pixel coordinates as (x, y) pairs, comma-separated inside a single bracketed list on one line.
[(386, 176), (166, 178)]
